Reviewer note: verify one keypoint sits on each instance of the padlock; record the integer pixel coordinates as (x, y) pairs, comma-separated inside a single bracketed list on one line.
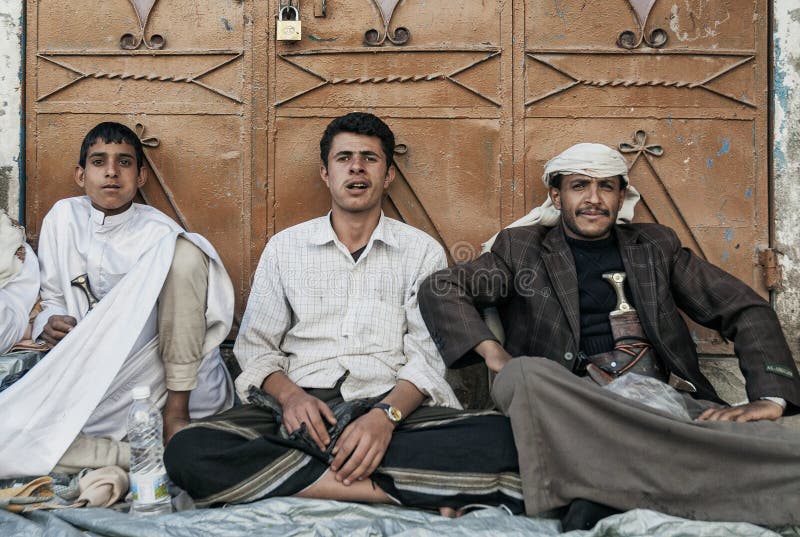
[(289, 25)]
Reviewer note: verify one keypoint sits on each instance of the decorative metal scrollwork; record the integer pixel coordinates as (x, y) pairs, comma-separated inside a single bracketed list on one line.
[(399, 36), (639, 145), (131, 41), (666, 206), (657, 38), (152, 142)]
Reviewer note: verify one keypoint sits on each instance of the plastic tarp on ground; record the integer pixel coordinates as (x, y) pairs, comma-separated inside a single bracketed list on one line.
[(292, 517)]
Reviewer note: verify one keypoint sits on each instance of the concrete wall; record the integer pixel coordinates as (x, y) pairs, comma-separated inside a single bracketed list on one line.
[(786, 167), (11, 26)]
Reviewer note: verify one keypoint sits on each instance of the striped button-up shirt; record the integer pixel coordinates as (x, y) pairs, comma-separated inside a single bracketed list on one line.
[(315, 313)]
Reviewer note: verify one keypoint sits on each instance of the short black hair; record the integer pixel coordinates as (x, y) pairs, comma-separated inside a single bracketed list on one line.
[(358, 123), (111, 133), (555, 181)]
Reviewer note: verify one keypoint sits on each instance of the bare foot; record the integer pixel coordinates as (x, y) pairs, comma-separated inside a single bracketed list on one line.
[(449, 512)]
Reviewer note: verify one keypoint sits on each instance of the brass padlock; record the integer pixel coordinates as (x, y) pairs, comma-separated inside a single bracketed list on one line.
[(289, 25)]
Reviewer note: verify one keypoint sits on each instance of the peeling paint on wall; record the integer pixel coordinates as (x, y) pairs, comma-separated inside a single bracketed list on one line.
[(786, 164), (10, 103), (691, 20)]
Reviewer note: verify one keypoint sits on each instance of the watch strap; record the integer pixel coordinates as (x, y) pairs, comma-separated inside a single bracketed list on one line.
[(392, 412)]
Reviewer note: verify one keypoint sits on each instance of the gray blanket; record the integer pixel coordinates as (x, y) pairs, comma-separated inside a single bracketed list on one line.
[(293, 517)]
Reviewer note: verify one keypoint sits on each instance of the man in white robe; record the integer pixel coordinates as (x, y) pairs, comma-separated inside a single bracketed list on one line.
[(128, 299), (19, 282)]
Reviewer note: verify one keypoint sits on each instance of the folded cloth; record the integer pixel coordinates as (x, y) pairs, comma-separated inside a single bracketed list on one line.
[(93, 452), (11, 239), (103, 487), (344, 411)]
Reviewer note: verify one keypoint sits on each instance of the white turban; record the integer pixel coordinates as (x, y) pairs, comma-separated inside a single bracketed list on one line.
[(11, 238), (592, 160)]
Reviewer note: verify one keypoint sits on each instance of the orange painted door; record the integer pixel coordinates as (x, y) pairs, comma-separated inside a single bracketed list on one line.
[(479, 94)]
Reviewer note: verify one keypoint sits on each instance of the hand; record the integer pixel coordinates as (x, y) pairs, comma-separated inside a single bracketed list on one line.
[(299, 408), (363, 444), (494, 354), (57, 327), (755, 411), (497, 362)]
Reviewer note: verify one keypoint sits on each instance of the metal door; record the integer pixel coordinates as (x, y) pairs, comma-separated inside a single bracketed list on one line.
[(479, 95)]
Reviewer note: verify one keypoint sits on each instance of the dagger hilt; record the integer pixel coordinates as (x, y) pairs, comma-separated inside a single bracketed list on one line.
[(617, 281), (82, 283)]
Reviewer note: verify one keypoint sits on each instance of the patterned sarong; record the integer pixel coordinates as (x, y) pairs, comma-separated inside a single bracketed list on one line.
[(438, 457)]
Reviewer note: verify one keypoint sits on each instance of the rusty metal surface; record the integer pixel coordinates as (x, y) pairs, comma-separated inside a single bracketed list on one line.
[(186, 96), (773, 274), (480, 94)]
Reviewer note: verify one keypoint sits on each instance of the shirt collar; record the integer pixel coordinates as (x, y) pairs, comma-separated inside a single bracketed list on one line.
[(325, 234), (101, 220)]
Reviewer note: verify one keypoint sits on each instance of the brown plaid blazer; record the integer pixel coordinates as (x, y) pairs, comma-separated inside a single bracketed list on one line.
[(530, 276)]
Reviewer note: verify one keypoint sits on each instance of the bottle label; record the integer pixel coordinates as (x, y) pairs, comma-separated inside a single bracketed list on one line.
[(149, 488)]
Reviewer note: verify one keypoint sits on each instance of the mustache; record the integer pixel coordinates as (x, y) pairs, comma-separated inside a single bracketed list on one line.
[(601, 210)]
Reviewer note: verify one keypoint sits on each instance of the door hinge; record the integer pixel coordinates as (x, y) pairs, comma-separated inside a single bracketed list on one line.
[(771, 269)]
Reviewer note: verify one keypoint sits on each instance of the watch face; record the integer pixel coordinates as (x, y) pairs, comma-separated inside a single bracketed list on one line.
[(394, 414)]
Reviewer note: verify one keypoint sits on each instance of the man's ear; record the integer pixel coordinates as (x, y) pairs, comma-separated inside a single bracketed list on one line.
[(390, 174), (323, 174), (623, 193), (79, 176), (144, 174), (555, 196)]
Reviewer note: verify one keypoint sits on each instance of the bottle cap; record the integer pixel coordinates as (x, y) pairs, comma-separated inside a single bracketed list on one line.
[(141, 392)]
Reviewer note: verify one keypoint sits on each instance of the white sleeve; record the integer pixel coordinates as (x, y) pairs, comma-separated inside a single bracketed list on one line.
[(16, 301), (53, 301), (266, 320), (777, 400), (424, 367)]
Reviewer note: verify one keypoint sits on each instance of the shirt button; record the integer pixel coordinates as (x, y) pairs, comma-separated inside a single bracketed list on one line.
[(568, 356)]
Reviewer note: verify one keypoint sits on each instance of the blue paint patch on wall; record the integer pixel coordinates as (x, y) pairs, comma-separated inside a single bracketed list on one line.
[(709, 163), (726, 146), (748, 193), (560, 12), (729, 233), (227, 24)]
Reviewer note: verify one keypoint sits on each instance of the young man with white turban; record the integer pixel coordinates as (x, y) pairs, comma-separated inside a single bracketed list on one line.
[(580, 444), (19, 282)]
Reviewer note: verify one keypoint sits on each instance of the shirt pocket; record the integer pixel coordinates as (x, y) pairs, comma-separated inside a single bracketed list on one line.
[(376, 324)]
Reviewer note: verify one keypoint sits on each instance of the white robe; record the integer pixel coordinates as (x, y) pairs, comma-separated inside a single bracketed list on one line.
[(17, 298), (84, 383)]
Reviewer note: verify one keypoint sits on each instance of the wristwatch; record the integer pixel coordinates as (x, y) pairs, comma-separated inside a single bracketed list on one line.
[(392, 412)]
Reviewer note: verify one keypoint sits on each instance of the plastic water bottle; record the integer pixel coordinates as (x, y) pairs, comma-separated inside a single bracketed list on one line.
[(148, 475)]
